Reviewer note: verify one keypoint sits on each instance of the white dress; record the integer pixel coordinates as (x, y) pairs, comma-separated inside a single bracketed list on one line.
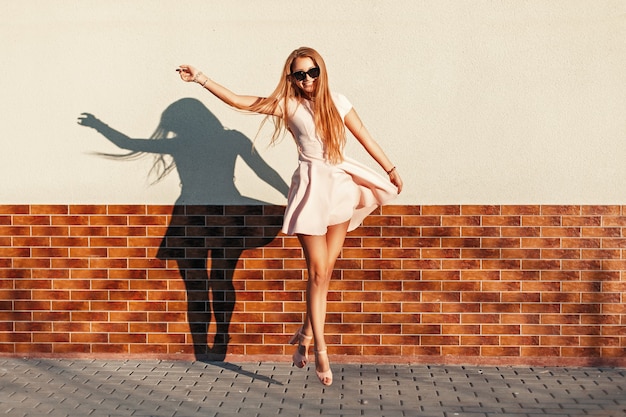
[(324, 194)]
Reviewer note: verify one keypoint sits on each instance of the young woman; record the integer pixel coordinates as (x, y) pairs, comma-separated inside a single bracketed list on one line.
[(330, 194)]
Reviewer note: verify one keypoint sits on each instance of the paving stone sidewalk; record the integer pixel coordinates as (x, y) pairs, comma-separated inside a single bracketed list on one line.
[(57, 387)]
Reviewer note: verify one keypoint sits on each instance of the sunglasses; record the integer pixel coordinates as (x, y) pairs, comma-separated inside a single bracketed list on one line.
[(301, 75)]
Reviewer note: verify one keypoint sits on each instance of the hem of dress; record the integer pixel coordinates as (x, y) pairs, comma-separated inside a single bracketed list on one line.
[(351, 227)]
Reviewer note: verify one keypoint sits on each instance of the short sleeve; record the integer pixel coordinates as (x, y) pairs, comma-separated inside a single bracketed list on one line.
[(342, 103)]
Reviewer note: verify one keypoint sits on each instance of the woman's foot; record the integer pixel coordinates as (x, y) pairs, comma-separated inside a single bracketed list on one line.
[(300, 356), (321, 363)]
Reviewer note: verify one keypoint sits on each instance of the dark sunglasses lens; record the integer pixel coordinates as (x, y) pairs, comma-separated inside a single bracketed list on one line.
[(314, 72), (300, 75)]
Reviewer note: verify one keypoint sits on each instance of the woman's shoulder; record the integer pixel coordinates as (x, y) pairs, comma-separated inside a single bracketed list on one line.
[(342, 103), (292, 104)]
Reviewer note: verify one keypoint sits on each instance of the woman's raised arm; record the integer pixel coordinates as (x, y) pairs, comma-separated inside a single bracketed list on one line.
[(242, 102)]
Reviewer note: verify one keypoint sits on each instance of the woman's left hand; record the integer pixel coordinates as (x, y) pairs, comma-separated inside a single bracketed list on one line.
[(395, 179)]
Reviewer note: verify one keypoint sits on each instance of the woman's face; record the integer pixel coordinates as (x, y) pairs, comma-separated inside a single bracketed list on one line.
[(304, 64)]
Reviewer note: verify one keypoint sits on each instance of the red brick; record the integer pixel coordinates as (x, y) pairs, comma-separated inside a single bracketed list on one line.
[(582, 221), (433, 275), (501, 286), (31, 220), (560, 297), (447, 221), (502, 221), (460, 307), (541, 264), (440, 253), (15, 252), (461, 286), (480, 253), (520, 275), (572, 243), (441, 318), (420, 264), (500, 243), (480, 297), (460, 329), (69, 220), (533, 320), (521, 297), (500, 329), (571, 210), (481, 210), (481, 232), (560, 340), (519, 341), (460, 243), (478, 340), (501, 307), (51, 338), (445, 297), (543, 352), (520, 231), (540, 308), (126, 209), (440, 340), (419, 307), (20, 241), (14, 209), (31, 305), (499, 351), (441, 231), (34, 348), (581, 352), (441, 210), (460, 351), (480, 275), (49, 252), (404, 210), (614, 232), (601, 210), (560, 254), (529, 221), (561, 232), (69, 241), (542, 243)]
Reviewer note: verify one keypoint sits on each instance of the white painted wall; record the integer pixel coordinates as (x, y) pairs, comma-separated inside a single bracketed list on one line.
[(482, 101)]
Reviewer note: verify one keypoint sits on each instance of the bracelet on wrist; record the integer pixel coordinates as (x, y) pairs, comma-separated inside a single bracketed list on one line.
[(197, 77), (391, 170)]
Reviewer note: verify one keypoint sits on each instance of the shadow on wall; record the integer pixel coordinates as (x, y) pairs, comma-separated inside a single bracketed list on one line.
[(192, 141)]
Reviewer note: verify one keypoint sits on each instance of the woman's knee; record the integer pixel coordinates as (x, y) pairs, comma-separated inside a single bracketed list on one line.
[(319, 274)]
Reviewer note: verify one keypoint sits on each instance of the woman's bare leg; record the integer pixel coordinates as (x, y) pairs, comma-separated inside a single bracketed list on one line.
[(320, 252)]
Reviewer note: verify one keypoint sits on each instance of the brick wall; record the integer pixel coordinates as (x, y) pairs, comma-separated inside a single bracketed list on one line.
[(475, 284)]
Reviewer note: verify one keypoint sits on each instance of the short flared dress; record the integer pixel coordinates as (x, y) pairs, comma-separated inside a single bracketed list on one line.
[(323, 194)]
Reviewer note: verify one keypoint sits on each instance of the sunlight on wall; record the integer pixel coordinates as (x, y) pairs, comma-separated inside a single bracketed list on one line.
[(476, 102)]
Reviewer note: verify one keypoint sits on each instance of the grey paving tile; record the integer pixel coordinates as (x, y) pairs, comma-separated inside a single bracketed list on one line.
[(170, 388)]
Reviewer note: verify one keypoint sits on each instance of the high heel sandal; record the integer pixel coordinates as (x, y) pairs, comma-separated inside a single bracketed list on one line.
[(325, 377), (299, 338)]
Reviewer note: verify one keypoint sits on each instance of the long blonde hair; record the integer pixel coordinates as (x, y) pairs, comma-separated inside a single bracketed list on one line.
[(328, 122)]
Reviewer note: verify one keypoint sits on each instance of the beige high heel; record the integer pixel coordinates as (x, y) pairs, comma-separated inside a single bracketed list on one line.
[(325, 377), (299, 338)]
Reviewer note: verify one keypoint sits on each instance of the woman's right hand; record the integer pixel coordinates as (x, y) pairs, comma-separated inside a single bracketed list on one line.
[(187, 73)]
